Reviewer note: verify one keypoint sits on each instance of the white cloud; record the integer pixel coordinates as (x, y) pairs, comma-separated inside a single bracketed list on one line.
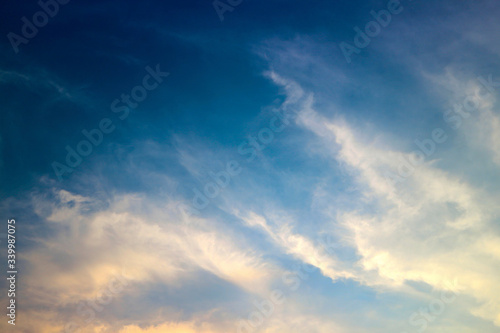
[(140, 240), (429, 228)]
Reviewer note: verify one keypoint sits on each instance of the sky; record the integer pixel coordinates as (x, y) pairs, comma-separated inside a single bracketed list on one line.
[(251, 166)]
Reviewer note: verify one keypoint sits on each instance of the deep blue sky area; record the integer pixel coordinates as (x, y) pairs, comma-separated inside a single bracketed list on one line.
[(98, 50)]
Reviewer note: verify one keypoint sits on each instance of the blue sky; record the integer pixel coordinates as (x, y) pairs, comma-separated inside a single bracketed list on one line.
[(262, 179)]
